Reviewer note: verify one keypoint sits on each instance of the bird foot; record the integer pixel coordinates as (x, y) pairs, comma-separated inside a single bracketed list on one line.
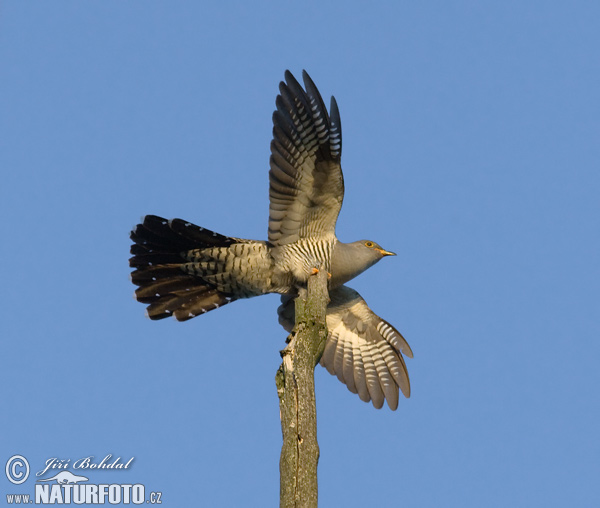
[(315, 271)]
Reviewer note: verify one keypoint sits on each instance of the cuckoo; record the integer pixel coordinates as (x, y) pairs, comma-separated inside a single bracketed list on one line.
[(184, 270)]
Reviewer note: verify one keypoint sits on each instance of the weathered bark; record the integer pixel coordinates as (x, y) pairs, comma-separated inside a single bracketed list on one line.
[(296, 389)]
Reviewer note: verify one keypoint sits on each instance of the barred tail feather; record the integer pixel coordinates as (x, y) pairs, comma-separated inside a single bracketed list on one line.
[(157, 258), (188, 303)]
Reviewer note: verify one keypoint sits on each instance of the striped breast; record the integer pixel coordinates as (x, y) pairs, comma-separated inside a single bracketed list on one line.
[(294, 262)]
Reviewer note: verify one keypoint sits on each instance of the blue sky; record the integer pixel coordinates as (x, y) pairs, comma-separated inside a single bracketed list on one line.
[(471, 148)]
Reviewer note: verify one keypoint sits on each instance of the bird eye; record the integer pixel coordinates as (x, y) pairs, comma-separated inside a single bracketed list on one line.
[(369, 244)]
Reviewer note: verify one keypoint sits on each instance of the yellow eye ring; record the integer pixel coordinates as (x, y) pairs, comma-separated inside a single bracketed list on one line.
[(369, 244)]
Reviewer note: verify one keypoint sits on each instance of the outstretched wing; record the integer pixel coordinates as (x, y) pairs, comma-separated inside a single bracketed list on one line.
[(306, 184), (362, 350)]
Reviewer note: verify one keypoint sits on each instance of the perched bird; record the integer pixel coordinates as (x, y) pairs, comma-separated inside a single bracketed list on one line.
[(184, 270)]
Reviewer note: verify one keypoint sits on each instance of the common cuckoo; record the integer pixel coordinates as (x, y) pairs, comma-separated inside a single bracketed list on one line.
[(184, 270)]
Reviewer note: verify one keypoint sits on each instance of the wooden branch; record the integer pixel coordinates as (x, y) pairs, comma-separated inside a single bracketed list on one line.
[(296, 389)]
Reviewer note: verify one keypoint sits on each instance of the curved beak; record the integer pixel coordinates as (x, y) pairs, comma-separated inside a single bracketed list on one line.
[(386, 252)]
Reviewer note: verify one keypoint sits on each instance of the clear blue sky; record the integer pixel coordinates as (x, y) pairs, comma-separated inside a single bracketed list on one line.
[(471, 148)]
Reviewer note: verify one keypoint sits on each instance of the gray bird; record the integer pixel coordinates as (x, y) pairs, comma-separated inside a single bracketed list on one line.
[(184, 270)]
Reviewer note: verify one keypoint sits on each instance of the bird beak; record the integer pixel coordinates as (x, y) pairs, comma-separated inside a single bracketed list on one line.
[(386, 252)]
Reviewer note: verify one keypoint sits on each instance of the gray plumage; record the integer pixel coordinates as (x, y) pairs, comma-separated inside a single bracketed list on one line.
[(362, 350), (184, 270)]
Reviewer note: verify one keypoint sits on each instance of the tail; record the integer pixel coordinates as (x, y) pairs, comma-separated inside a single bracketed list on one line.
[(158, 258)]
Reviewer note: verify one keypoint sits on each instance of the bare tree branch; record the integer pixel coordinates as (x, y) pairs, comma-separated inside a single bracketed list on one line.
[(296, 389)]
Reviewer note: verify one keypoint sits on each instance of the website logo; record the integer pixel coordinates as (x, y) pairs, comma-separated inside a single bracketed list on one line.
[(14, 469), (66, 477), (66, 487)]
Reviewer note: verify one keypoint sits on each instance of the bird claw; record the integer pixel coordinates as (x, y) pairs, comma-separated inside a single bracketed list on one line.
[(315, 271)]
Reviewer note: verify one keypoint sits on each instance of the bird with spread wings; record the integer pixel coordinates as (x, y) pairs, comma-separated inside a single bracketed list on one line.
[(183, 270)]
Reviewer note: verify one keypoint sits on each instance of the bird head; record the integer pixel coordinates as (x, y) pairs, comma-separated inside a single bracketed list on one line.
[(376, 250), (351, 259)]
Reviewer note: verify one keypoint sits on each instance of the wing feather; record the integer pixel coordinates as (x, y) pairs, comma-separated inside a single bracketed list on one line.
[(306, 182), (348, 364), (360, 376), (338, 358), (372, 377), (362, 350)]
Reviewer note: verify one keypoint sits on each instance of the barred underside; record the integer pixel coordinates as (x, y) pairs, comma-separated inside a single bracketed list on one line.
[(184, 270), (294, 262), (242, 268)]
